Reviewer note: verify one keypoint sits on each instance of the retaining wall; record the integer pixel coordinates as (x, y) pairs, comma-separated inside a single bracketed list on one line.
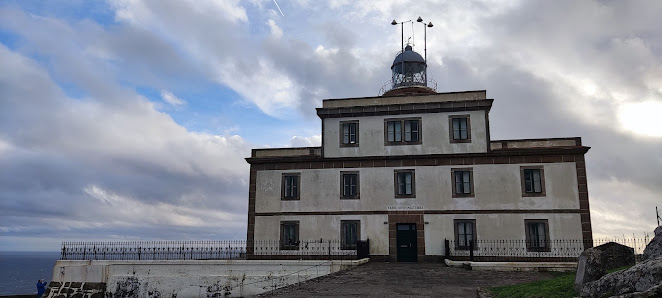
[(184, 278)]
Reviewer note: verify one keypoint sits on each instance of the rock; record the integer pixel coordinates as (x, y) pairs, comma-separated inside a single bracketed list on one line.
[(589, 267), (654, 249), (616, 255), (655, 291), (483, 293), (638, 278)]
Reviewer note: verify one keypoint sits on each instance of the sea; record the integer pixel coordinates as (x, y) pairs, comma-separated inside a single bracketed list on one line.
[(20, 271)]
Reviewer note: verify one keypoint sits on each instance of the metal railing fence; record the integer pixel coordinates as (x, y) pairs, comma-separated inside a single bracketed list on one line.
[(204, 250), (524, 250), (478, 250), (514, 250)]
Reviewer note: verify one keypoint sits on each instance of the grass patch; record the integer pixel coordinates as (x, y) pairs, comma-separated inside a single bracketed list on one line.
[(618, 269), (561, 286)]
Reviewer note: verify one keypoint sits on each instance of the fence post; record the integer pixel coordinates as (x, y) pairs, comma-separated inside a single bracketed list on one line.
[(471, 250), (447, 247)]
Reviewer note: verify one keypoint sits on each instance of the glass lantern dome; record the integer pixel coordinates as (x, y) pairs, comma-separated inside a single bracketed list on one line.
[(408, 69)]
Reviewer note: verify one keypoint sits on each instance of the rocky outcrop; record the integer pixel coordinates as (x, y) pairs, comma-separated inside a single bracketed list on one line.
[(638, 278), (654, 249), (594, 262), (589, 267), (641, 280), (653, 292), (616, 255)]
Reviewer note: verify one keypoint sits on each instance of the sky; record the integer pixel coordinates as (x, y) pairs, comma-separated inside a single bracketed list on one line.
[(130, 120)]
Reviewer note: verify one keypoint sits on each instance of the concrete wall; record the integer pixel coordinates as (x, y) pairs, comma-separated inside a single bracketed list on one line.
[(498, 227), (435, 136), (327, 227), (392, 100), (437, 228), (189, 278), (495, 187)]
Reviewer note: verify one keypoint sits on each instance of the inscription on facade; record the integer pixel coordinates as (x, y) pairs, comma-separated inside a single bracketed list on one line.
[(404, 207)]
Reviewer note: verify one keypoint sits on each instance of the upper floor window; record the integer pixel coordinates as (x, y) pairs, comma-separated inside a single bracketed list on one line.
[(537, 235), (289, 235), (349, 133), (462, 182), (465, 233), (533, 181), (349, 182), (403, 131), (290, 188), (405, 184), (350, 233), (460, 129)]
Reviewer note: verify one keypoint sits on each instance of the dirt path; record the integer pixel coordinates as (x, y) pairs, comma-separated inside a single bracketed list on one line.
[(404, 280)]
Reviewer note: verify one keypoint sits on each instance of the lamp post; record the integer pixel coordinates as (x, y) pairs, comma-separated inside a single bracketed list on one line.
[(402, 42), (402, 32), (425, 36)]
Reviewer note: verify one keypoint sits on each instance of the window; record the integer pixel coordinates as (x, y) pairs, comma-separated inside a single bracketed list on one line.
[(537, 235), (462, 182), (405, 184), (349, 183), (403, 131), (533, 181), (350, 233), (349, 134), (290, 189), (465, 231), (289, 235), (460, 129)]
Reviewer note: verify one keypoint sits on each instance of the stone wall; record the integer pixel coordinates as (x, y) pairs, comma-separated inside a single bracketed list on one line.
[(183, 278)]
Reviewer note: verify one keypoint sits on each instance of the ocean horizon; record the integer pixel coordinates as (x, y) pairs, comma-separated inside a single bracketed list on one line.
[(20, 270)]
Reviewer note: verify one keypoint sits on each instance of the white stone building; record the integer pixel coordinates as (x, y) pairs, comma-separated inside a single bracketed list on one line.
[(412, 168)]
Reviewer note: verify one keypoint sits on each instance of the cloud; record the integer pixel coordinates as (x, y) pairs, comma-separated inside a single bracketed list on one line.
[(81, 165), (312, 141), (276, 32), (171, 98), (642, 118), (77, 136)]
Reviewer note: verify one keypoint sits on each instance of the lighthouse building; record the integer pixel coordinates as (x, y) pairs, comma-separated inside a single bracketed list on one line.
[(412, 168)]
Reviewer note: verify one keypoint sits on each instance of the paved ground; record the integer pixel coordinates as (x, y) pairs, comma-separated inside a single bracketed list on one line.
[(404, 280)]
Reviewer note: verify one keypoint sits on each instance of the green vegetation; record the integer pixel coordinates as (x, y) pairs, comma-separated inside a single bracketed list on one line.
[(562, 285), (558, 287)]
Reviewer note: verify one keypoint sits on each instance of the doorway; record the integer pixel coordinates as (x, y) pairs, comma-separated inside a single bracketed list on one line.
[(406, 238)]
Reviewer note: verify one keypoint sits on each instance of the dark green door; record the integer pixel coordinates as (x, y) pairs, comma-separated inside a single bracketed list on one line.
[(406, 241)]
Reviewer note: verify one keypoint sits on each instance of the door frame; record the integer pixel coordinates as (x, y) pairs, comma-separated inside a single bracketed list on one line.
[(395, 217)]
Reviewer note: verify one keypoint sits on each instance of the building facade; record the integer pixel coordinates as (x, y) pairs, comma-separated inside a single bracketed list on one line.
[(412, 168)]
